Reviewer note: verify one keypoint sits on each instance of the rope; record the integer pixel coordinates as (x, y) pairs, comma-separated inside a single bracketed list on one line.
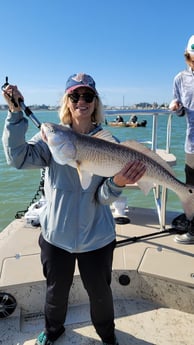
[(39, 192)]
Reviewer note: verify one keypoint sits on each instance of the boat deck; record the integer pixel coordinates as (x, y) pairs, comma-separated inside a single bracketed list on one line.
[(138, 322), (153, 287)]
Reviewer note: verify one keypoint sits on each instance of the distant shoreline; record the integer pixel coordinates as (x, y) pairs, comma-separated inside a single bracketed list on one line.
[(116, 109)]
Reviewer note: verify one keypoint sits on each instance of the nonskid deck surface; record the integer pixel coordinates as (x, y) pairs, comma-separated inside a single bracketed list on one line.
[(138, 322)]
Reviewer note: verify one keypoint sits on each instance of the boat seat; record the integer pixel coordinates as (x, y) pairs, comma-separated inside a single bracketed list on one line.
[(22, 270), (167, 265), (168, 157)]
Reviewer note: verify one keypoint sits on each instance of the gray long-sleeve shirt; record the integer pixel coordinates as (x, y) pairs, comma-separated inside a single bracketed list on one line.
[(183, 92), (74, 219)]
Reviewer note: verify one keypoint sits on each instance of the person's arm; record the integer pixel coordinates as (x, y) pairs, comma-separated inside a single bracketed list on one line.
[(18, 152), (176, 104)]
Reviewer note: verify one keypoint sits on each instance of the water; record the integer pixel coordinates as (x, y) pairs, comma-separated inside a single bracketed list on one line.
[(18, 187)]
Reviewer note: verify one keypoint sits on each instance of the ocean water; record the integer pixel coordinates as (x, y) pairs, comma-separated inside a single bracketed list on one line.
[(19, 187)]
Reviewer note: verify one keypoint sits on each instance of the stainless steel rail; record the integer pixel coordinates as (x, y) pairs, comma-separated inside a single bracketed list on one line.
[(160, 192)]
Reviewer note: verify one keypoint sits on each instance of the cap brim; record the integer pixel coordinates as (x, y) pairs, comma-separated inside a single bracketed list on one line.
[(78, 87), (190, 52)]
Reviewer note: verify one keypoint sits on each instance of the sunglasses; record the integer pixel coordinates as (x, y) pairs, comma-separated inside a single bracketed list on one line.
[(87, 96)]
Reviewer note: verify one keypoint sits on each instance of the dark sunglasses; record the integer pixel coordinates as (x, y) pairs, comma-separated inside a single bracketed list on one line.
[(87, 96)]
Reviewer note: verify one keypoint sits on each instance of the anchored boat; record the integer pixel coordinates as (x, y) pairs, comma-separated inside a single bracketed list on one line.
[(128, 124), (133, 122), (152, 280)]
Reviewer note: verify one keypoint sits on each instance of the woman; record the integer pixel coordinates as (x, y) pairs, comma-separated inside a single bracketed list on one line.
[(76, 224), (183, 104)]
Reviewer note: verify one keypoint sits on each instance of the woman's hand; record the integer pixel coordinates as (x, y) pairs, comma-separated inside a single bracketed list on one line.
[(11, 95), (130, 174), (174, 105)]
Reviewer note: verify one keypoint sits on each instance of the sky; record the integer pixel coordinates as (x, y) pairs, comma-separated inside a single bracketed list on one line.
[(132, 49)]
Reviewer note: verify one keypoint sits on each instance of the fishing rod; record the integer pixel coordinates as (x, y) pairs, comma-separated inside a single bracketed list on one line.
[(141, 237), (26, 109)]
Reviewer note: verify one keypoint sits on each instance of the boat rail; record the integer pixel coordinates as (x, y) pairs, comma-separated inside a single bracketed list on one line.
[(154, 136), (155, 131), (160, 192)]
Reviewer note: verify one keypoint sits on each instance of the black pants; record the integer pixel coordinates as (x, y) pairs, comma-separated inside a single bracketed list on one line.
[(95, 270), (189, 174)]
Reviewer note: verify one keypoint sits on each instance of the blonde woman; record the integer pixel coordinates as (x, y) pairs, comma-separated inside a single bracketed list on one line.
[(77, 225)]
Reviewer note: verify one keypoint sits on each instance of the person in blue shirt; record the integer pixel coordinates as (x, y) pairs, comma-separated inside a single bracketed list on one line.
[(183, 104), (76, 225)]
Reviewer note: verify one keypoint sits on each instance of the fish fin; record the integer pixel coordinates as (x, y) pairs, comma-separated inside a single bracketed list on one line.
[(105, 135), (145, 186), (84, 176), (132, 144), (72, 163)]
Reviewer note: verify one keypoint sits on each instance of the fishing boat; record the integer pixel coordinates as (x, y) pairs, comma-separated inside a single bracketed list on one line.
[(152, 279), (128, 124)]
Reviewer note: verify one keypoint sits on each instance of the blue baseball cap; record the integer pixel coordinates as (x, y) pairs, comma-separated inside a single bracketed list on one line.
[(80, 80)]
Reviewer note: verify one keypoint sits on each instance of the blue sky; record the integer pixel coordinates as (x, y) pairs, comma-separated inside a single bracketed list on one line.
[(133, 49)]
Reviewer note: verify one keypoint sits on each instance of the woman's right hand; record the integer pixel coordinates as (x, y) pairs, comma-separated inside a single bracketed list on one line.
[(12, 95)]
